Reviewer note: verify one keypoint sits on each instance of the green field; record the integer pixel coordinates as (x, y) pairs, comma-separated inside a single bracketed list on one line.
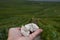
[(14, 13)]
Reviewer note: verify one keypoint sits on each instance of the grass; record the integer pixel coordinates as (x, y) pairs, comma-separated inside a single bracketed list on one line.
[(15, 13)]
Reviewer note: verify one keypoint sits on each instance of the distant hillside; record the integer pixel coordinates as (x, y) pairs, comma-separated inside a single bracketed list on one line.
[(29, 7)]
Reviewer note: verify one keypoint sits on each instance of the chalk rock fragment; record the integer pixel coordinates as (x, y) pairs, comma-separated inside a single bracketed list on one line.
[(31, 27)]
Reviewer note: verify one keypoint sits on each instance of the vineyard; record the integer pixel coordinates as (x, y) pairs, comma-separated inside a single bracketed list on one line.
[(45, 14), (51, 28)]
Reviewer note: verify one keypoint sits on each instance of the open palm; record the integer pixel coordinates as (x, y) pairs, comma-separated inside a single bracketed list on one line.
[(15, 34)]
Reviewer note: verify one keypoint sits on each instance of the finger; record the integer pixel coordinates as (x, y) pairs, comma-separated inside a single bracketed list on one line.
[(37, 32)]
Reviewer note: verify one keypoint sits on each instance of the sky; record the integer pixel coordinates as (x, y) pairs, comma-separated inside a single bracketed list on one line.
[(45, 0)]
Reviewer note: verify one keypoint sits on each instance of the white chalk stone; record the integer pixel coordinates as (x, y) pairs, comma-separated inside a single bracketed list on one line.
[(25, 30), (32, 27)]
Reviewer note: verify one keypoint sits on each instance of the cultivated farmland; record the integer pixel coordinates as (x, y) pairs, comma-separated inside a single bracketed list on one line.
[(45, 14)]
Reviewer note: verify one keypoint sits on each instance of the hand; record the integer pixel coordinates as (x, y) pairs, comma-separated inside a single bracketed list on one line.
[(15, 34)]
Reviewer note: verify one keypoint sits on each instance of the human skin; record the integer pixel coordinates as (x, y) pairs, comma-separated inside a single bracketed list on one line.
[(15, 34)]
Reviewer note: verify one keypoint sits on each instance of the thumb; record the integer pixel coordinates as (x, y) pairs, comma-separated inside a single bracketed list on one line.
[(37, 32)]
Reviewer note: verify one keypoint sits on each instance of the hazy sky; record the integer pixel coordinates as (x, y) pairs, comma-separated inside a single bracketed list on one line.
[(45, 0)]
